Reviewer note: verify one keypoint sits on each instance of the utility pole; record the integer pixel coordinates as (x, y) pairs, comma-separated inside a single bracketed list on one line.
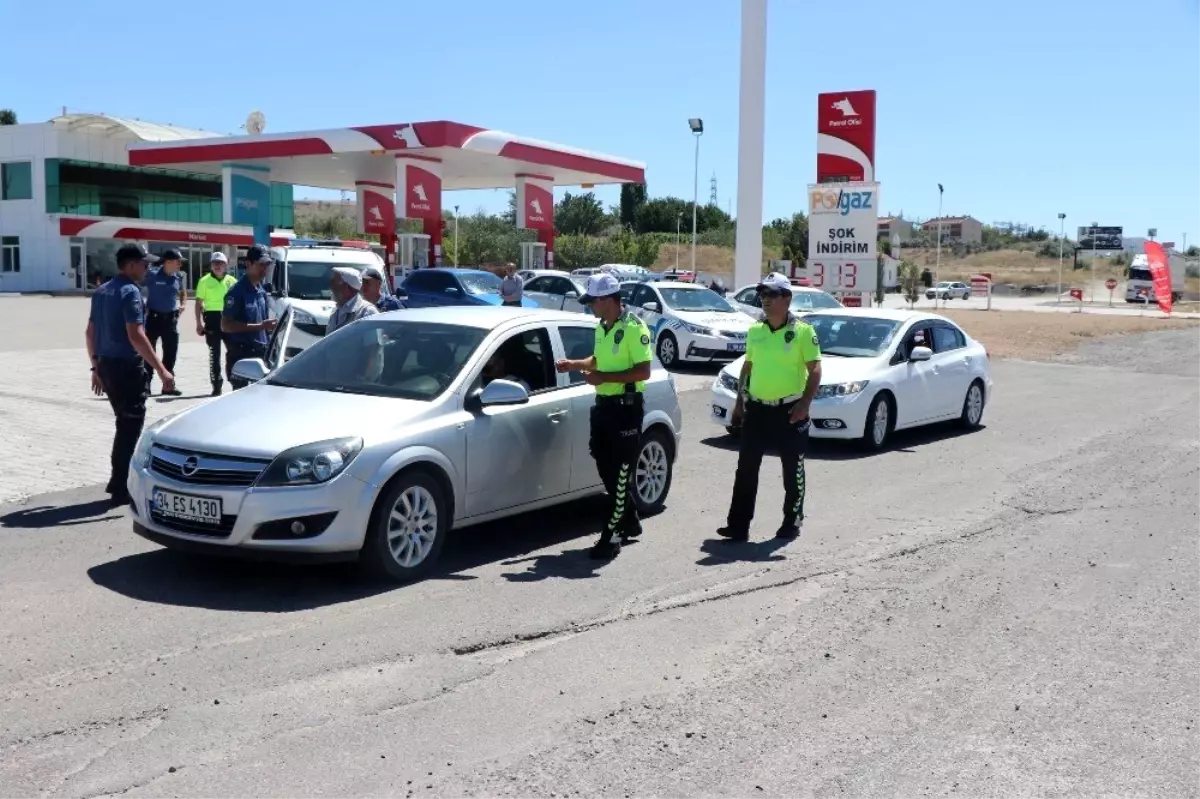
[(1062, 232)]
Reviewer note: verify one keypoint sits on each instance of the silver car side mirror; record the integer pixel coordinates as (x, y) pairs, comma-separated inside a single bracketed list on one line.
[(250, 369), (503, 392)]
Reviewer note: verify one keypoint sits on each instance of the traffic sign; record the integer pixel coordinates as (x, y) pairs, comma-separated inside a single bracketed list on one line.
[(1110, 284)]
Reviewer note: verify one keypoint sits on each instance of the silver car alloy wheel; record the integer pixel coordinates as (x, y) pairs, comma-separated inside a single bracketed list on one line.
[(412, 526), (974, 404), (651, 477), (666, 351), (879, 425)]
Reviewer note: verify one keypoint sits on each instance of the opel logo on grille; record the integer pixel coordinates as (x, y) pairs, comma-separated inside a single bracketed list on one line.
[(189, 466)]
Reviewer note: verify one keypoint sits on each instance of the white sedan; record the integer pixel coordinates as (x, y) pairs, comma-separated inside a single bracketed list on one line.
[(884, 371), (804, 300), (556, 290), (948, 290), (688, 322)]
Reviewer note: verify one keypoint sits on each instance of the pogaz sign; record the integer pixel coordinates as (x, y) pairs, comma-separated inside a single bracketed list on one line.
[(843, 220)]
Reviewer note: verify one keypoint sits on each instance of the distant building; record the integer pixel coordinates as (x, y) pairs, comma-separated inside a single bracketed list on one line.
[(896, 228), (964, 229)]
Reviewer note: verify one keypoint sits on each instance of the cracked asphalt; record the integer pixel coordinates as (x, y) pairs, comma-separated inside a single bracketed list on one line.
[(1012, 611)]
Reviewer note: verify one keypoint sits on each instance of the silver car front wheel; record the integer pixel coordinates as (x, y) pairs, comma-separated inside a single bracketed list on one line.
[(408, 528), (652, 476)]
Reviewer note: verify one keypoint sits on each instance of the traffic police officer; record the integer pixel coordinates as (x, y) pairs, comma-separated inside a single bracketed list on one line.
[(618, 368), (246, 318), (780, 377), (210, 301), (122, 357), (165, 300)]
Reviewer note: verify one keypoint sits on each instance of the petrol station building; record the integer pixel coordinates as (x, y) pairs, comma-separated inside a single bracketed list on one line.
[(73, 189)]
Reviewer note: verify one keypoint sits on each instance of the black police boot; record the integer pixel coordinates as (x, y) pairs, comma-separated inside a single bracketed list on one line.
[(606, 548), (789, 530), (217, 389), (172, 393), (631, 532), (733, 533)]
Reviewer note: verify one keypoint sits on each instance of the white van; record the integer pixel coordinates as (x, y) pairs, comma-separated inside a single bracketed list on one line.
[(299, 286)]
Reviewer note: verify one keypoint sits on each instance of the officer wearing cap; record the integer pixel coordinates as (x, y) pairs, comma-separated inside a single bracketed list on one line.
[(246, 318), (210, 301), (166, 298), (344, 285), (618, 368), (121, 357), (780, 377), (374, 290)]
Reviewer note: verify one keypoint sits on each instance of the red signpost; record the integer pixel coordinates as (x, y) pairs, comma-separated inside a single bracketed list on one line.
[(1110, 284), (1077, 295)]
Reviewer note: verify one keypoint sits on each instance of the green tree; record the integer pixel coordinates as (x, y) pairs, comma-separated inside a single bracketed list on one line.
[(579, 215), (1193, 251), (633, 197), (910, 282), (8, 116), (510, 216), (661, 214)]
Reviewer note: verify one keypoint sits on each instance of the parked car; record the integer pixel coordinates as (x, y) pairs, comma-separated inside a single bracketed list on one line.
[(680, 275), (948, 290), (428, 288), (688, 322), (557, 291), (375, 442), (883, 371), (586, 271), (626, 271), (804, 300)]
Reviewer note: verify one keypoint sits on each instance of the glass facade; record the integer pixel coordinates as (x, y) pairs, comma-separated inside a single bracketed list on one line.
[(16, 180), (165, 195)]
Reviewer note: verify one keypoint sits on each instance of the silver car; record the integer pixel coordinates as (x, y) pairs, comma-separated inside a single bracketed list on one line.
[(557, 290), (379, 439), (804, 300)]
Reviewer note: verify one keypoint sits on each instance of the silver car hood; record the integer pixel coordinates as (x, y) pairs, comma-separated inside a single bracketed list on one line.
[(262, 420)]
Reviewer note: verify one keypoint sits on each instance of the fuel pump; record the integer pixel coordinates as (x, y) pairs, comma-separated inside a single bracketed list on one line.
[(412, 252), (533, 255)]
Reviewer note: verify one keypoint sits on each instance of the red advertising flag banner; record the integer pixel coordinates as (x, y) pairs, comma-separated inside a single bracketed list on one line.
[(1160, 273)]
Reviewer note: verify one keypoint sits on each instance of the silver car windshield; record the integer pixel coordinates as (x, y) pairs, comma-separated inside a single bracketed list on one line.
[(853, 336), (385, 358), (813, 301)]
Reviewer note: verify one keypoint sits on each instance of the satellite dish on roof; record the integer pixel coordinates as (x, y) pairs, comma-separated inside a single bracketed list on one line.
[(255, 123)]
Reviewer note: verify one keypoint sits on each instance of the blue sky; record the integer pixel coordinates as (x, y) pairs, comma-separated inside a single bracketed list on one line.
[(1021, 109)]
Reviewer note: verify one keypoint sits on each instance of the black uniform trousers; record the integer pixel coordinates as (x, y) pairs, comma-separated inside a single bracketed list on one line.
[(213, 337), (126, 383), (763, 425), (165, 326), (240, 351), (616, 433)]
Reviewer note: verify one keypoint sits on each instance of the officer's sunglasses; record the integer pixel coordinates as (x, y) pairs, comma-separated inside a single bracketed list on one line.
[(769, 294)]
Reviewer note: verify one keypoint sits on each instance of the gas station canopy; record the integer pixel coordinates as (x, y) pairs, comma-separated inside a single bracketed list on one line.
[(471, 157)]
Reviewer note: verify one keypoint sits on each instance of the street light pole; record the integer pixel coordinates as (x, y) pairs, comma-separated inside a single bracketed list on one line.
[(697, 127), (1062, 232), (937, 263), (1092, 290), (456, 235), (678, 221)]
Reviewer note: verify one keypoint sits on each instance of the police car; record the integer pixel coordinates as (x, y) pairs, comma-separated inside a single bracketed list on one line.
[(688, 322), (299, 286)]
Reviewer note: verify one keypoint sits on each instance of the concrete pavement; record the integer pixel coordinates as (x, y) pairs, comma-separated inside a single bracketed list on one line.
[(1012, 611)]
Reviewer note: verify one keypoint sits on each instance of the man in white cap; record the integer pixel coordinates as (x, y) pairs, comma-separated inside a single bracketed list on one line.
[(780, 377), (618, 367), (345, 284)]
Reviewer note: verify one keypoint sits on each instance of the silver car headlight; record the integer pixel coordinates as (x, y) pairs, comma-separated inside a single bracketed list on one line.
[(311, 464), (728, 381), (842, 389), (141, 452), (303, 317), (699, 330)]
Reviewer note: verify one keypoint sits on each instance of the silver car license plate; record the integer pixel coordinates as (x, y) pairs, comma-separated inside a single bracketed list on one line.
[(187, 507)]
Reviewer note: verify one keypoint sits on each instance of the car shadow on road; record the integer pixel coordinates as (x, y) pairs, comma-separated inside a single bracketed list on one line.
[(166, 577), (826, 449), (61, 515)]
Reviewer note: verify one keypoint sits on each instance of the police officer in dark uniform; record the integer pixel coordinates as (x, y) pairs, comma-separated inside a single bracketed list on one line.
[(780, 377), (618, 368), (122, 358), (246, 319), (165, 300)]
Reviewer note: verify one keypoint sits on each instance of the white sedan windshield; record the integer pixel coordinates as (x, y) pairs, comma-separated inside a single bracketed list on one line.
[(853, 336)]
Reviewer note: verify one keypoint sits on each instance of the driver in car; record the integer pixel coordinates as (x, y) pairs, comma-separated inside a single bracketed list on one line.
[(497, 369)]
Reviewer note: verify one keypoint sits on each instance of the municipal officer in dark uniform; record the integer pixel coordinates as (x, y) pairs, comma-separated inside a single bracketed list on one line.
[(122, 358), (246, 319), (618, 368), (165, 300), (780, 377)]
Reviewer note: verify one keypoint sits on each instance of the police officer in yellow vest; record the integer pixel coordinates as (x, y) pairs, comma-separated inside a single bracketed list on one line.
[(618, 368), (780, 377), (210, 301)]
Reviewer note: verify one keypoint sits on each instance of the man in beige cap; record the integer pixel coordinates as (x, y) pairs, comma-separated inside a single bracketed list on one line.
[(345, 284)]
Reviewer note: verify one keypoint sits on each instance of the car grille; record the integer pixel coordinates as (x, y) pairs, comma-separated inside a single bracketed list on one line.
[(202, 468), (221, 530)]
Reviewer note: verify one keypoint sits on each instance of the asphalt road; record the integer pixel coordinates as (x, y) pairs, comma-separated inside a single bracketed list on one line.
[(1011, 611)]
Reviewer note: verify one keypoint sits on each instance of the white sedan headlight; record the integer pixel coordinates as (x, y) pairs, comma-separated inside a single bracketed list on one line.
[(842, 389), (141, 453), (699, 330), (728, 381), (311, 463), (303, 317)]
